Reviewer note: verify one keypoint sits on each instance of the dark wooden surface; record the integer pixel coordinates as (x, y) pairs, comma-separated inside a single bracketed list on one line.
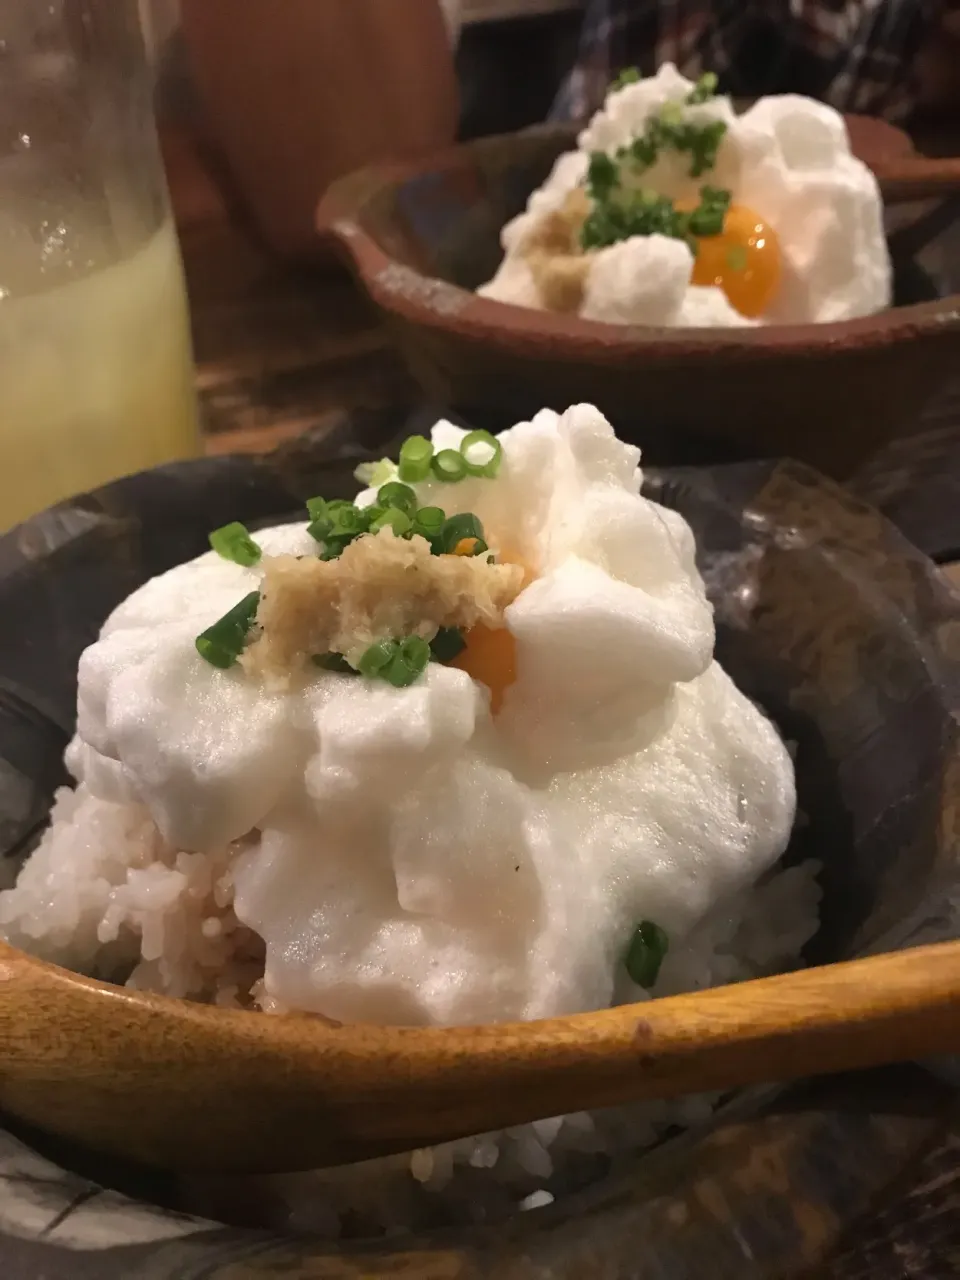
[(282, 350)]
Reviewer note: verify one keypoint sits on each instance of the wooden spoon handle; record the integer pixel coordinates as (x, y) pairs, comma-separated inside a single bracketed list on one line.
[(885, 1008), (917, 178), (175, 1084)]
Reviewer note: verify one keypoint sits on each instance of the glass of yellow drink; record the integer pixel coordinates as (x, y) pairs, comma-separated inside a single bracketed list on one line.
[(96, 370)]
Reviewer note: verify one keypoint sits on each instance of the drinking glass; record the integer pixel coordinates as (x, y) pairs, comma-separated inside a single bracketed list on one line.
[(96, 369)]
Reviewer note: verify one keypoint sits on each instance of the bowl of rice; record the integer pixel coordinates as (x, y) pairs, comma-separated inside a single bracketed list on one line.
[(826, 642), (728, 283)]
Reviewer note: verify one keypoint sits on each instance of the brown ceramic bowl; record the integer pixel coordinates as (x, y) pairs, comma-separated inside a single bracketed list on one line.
[(825, 614), (421, 236)]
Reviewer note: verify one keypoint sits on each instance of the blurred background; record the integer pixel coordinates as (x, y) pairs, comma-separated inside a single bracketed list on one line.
[(260, 108)]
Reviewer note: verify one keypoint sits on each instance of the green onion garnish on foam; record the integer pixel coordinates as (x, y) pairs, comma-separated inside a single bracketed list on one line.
[(449, 465), (398, 662), (398, 495), (416, 453), (377, 657), (335, 523), (645, 955), (399, 521), (222, 644), (408, 663), (233, 542), (429, 521), (338, 519), (482, 453), (372, 474)]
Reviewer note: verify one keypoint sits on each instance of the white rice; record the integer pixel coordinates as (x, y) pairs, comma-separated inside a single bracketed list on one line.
[(130, 908)]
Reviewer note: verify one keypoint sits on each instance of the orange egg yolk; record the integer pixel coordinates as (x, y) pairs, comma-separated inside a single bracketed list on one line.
[(491, 658), (743, 260), (465, 547)]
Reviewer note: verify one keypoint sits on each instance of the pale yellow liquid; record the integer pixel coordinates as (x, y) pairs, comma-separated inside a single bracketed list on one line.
[(96, 371)]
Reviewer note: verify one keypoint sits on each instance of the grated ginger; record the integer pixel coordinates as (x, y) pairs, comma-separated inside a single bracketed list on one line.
[(380, 587), (557, 261)]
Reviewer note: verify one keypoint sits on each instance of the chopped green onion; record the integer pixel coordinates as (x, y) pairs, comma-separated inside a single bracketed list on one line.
[(398, 662), (408, 663), (320, 522), (222, 644), (429, 521), (482, 453), (377, 657), (449, 465), (646, 953), (374, 474), (333, 548), (459, 527), (415, 455), (624, 212), (397, 495), (620, 209), (346, 521), (317, 508), (447, 643), (319, 530), (671, 112), (233, 542), (336, 519), (704, 89), (416, 652), (709, 216), (333, 662), (603, 176), (629, 75), (398, 521)]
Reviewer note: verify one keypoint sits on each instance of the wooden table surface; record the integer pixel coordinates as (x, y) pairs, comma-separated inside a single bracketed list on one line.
[(280, 350)]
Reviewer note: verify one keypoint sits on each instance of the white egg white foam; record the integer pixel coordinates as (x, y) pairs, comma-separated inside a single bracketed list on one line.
[(787, 158), (407, 857)]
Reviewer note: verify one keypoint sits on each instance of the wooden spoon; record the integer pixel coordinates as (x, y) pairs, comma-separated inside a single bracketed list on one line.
[(190, 1087)]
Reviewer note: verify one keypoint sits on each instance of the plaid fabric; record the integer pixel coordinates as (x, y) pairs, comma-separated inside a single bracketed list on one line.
[(857, 55)]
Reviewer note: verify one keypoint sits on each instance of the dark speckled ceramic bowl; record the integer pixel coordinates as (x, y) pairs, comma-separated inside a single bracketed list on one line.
[(422, 236), (845, 632)]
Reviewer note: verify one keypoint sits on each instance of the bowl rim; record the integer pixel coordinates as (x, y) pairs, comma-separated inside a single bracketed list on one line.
[(431, 302), (303, 1043), (829, 1157)]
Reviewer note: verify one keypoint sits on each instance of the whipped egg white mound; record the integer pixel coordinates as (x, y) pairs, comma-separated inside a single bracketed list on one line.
[(820, 253), (405, 855)]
